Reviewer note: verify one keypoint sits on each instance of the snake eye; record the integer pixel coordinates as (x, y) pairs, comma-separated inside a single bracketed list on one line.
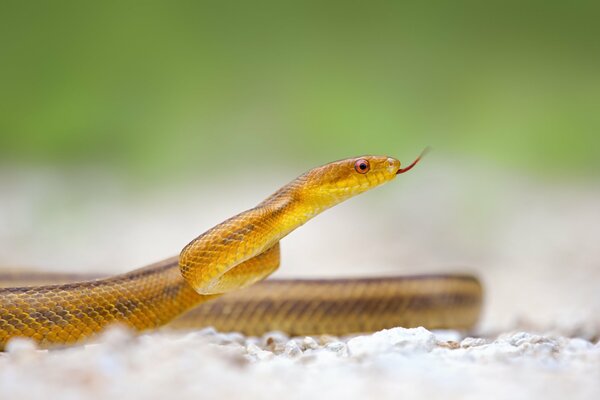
[(362, 166)]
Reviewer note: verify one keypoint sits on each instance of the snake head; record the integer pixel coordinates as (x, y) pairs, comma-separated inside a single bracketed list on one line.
[(330, 184), (335, 182)]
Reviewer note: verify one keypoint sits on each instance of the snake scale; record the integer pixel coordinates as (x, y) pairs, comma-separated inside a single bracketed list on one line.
[(233, 258)]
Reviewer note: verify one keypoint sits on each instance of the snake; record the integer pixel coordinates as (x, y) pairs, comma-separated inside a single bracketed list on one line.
[(218, 280)]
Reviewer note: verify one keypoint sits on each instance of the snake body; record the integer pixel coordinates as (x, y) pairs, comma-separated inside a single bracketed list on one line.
[(234, 255)]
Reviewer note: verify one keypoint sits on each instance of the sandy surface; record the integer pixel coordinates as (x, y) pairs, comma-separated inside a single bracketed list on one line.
[(533, 243)]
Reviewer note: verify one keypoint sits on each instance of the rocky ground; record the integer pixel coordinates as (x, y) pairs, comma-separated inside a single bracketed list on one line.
[(533, 243), (392, 364)]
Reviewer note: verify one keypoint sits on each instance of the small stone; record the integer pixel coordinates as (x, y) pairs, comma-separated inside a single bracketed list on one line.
[(450, 344), (208, 331), (473, 342), (231, 337), (257, 353), (339, 348), (447, 335), (117, 336), (392, 340), (20, 346), (310, 343), (324, 339), (578, 344), (274, 341), (292, 349)]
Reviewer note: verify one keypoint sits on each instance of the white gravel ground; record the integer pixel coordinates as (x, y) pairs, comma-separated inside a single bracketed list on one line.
[(533, 243), (395, 363)]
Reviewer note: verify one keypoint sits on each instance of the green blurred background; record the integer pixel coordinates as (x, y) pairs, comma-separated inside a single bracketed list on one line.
[(162, 89), (127, 128)]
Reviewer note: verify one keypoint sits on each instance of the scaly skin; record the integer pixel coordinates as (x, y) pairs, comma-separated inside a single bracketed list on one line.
[(237, 253)]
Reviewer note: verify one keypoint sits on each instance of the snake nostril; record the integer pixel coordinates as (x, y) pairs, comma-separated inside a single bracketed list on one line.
[(391, 165)]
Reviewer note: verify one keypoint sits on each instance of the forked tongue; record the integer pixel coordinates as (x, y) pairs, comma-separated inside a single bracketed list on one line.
[(403, 170)]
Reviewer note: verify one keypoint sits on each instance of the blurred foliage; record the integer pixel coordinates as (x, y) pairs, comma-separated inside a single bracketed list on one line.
[(152, 87)]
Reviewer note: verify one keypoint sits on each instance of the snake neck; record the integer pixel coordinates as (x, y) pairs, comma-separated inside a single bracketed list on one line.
[(302, 200), (205, 260)]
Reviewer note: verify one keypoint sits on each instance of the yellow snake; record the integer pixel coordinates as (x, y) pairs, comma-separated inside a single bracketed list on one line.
[(236, 254)]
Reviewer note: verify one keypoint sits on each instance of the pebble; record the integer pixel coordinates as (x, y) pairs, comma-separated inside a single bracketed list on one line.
[(274, 341), (473, 342), (21, 346), (309, 343), (292, 349), (257, 353), (337, 347), (389, 340)]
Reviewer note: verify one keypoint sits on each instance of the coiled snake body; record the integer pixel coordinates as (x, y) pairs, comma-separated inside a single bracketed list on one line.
[(236, 254)]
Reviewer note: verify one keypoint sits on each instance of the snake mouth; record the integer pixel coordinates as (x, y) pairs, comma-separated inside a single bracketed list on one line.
[(403, 170)]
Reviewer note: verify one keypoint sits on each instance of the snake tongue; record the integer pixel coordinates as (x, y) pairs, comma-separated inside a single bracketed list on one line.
[(403, 170)]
